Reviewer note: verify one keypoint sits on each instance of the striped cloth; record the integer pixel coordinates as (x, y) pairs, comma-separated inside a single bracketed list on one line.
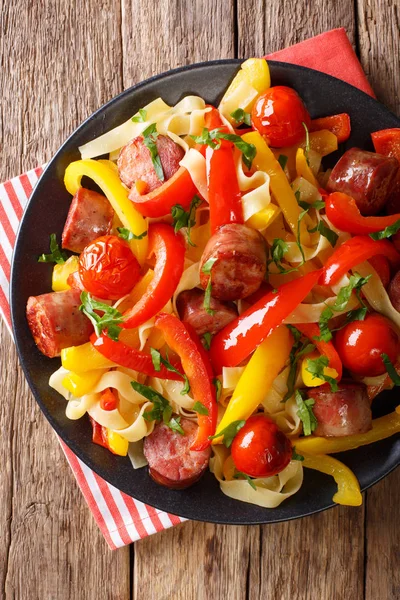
[(123, 519)]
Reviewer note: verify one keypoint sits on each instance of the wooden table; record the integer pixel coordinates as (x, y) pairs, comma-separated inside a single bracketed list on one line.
[(60, 62)]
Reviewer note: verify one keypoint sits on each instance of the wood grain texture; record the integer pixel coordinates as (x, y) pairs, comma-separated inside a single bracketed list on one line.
[(158, 36), (271, 25), (379, 43), (54, 73), (197, 561)]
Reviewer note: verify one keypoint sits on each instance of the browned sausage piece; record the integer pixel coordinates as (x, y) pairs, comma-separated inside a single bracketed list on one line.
[(134, 162), (56, 321), (366, 176), (191, 309), (393, 202), (345, 412), (241, 262), (90, 216), (394, 291), (171, 462)]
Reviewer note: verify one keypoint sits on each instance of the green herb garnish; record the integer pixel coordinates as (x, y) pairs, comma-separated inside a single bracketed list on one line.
[(317, 366), (394, 376), (159, 360), (387, 232), (218, 387), (56, 255), (229, 432), (183, 218), (240, 116), (200, 408), (141, 117), (282, 160), (110, 319), (161, 411), (212, 138), (150, 135), (326, 231), (305, 413), (128, 235), (207, 340), (239, 475), (296, 456)]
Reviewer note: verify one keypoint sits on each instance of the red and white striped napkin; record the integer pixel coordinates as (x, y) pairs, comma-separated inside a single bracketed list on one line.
[(123, 519)]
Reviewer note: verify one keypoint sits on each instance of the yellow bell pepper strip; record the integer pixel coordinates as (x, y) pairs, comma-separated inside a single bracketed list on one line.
[(280, 186), (252, 79), (118, 445), (62, 272), (382, 428), (303, 169), (107, 179), (349, 493), (80, 384), (81, 359), (263, 367), (263, 218)]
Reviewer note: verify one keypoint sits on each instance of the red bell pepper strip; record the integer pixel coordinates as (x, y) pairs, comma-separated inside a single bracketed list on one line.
[(236, 341), (223, 188), (203, 352), (311, 331), (343, 213), (108, 400), (387, 142), (194, 364), (169, 250), (132, 358), (353, 252), (158, 203), (99, 435), (339, 125)]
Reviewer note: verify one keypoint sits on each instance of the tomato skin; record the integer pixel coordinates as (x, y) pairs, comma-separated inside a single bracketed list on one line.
[(279, 114), (260, 449), (108, 268), (361, 343)]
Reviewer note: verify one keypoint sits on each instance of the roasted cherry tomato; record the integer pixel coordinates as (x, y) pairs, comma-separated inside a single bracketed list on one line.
[(361, 343), (279, 114), (108, 268), (260, 449)]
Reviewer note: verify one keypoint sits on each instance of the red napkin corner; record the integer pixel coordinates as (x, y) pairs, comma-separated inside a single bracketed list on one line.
[(329, 52)]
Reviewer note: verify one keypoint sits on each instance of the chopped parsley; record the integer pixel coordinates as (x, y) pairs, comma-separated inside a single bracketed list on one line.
[(141, 117), (212, 138), (296, 456), (239, 475), (128, 235), (200, 408), (207, 340), (110, 320), (240, 117), (391, 371), (307, 148), (326, 231), (159, 360), (182, 218), (299, 349), (207, 298), (218, 387), (150, 136), (317, 368), (56, 255), (161, 411), (387, 232), (282, 160), (229, 432), (305, 413)]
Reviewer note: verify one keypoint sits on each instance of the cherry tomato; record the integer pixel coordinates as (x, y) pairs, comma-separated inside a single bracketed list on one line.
[(279, 114), (361, 343), (108, 268), (260, 449)]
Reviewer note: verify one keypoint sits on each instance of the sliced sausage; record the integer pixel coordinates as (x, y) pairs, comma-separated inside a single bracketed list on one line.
[(393, 202), (394, 291), (134, 163), (345, 412), (90, 216), (240, 265), (56, 321), (191, 309), (366, 176), (171, 462)]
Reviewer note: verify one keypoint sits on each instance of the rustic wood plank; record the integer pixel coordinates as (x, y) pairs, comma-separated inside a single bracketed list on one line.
[(379, 44), (272, 25), (209, 562), (158, 36), (60, 61)]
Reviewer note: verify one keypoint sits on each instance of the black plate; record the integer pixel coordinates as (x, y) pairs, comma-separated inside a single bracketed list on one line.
[(46, 214)]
